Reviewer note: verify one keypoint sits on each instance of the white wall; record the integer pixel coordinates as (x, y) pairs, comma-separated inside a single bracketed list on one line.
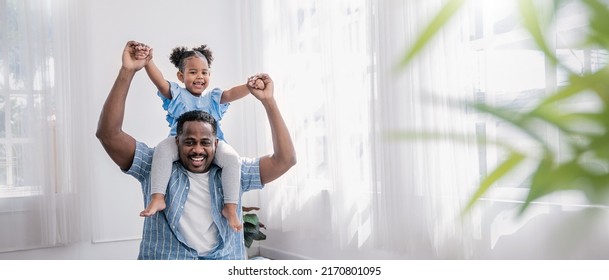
[(110, 200)]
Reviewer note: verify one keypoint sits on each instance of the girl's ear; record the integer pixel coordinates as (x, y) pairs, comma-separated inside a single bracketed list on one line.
[(180, 76)]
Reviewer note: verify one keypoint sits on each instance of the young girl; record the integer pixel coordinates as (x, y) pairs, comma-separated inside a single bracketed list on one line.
[(194, 72)]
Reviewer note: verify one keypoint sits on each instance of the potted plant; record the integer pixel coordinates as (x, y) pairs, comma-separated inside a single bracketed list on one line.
[(252, 226)]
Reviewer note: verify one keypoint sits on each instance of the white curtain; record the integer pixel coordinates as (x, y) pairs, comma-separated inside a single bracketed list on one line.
[(423, 185), (354, 192), (36, 198), (359, 193)]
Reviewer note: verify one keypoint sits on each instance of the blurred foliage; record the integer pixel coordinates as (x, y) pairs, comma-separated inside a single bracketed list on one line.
[(554, 172)]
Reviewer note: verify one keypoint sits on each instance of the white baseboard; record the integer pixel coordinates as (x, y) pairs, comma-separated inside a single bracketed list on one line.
[(275, 254)]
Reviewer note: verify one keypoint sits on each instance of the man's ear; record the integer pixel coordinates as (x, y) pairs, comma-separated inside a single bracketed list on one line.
[(180, 76)]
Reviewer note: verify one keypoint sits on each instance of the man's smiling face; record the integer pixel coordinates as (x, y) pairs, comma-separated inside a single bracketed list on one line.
[(197, 146)]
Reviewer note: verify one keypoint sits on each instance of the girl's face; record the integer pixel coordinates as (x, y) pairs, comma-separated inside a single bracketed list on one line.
[(196, 75)]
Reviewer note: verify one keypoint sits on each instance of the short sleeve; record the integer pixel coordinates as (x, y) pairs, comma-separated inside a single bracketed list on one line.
[(140, 168), (182, 101), (175, 106), (217, 109), (250, 174)]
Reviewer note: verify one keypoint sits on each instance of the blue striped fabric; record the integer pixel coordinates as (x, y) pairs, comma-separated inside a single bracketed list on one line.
[(161, 238)]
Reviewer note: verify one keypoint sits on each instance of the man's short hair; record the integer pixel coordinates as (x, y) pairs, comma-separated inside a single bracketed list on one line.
[(196, 115)]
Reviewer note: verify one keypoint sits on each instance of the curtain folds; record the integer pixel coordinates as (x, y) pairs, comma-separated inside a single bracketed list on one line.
[(354, 189), (36, 203), (424, 182), (360, 192)]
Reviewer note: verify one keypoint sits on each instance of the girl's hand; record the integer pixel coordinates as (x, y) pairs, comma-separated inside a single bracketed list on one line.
[(261, 86), (256, 82), (136, 55)]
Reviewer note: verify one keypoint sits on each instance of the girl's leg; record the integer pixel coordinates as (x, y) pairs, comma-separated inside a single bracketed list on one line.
[(228, 159), (165, 154)]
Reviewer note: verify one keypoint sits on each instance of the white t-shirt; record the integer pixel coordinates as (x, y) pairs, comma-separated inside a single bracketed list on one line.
[(196, 223)]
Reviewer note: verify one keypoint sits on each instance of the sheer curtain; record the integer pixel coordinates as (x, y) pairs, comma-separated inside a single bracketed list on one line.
[(36, 195), (357, 191), (424, 184), (354, 192), (323, 70)]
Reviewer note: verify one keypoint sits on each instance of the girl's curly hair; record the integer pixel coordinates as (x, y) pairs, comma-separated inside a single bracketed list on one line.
[(179, 54)]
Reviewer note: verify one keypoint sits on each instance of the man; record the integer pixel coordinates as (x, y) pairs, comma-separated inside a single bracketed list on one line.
[(192, 226)]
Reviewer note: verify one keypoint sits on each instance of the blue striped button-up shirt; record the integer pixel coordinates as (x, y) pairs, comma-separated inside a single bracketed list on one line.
[(161, 238)]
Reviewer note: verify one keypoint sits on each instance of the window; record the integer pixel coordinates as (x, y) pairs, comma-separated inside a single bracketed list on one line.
[(34, 159), (318, 53), (25, 93), (511, 72)]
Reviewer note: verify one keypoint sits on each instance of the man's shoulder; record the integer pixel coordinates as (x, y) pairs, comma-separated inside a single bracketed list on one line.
[(250, 174), (142, 158), (249, 161), (142, 147)]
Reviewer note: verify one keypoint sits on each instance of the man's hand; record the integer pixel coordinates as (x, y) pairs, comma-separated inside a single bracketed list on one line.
[(255, 81), (261, 86), (136, 55)]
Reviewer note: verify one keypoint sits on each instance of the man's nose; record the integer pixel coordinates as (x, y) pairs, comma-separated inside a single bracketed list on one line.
[(198, 148)]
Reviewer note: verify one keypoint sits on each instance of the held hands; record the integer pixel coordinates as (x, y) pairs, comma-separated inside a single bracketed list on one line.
[(136, 55), (261, 86), (256, 81)]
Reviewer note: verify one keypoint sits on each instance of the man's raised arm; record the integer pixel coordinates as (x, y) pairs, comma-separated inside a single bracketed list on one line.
[(284, 155), (119, 145)]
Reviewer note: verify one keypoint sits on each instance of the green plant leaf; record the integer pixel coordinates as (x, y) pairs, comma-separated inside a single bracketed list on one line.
[(599, 22), (441, 18), (259, 236), (567, 176), (513, 160), (574, 87), (597, 82), (250, 228), (517, 119), (251, 218), (569, 123), (248, 240), (533, 25), (598, 146), (541, 181)]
